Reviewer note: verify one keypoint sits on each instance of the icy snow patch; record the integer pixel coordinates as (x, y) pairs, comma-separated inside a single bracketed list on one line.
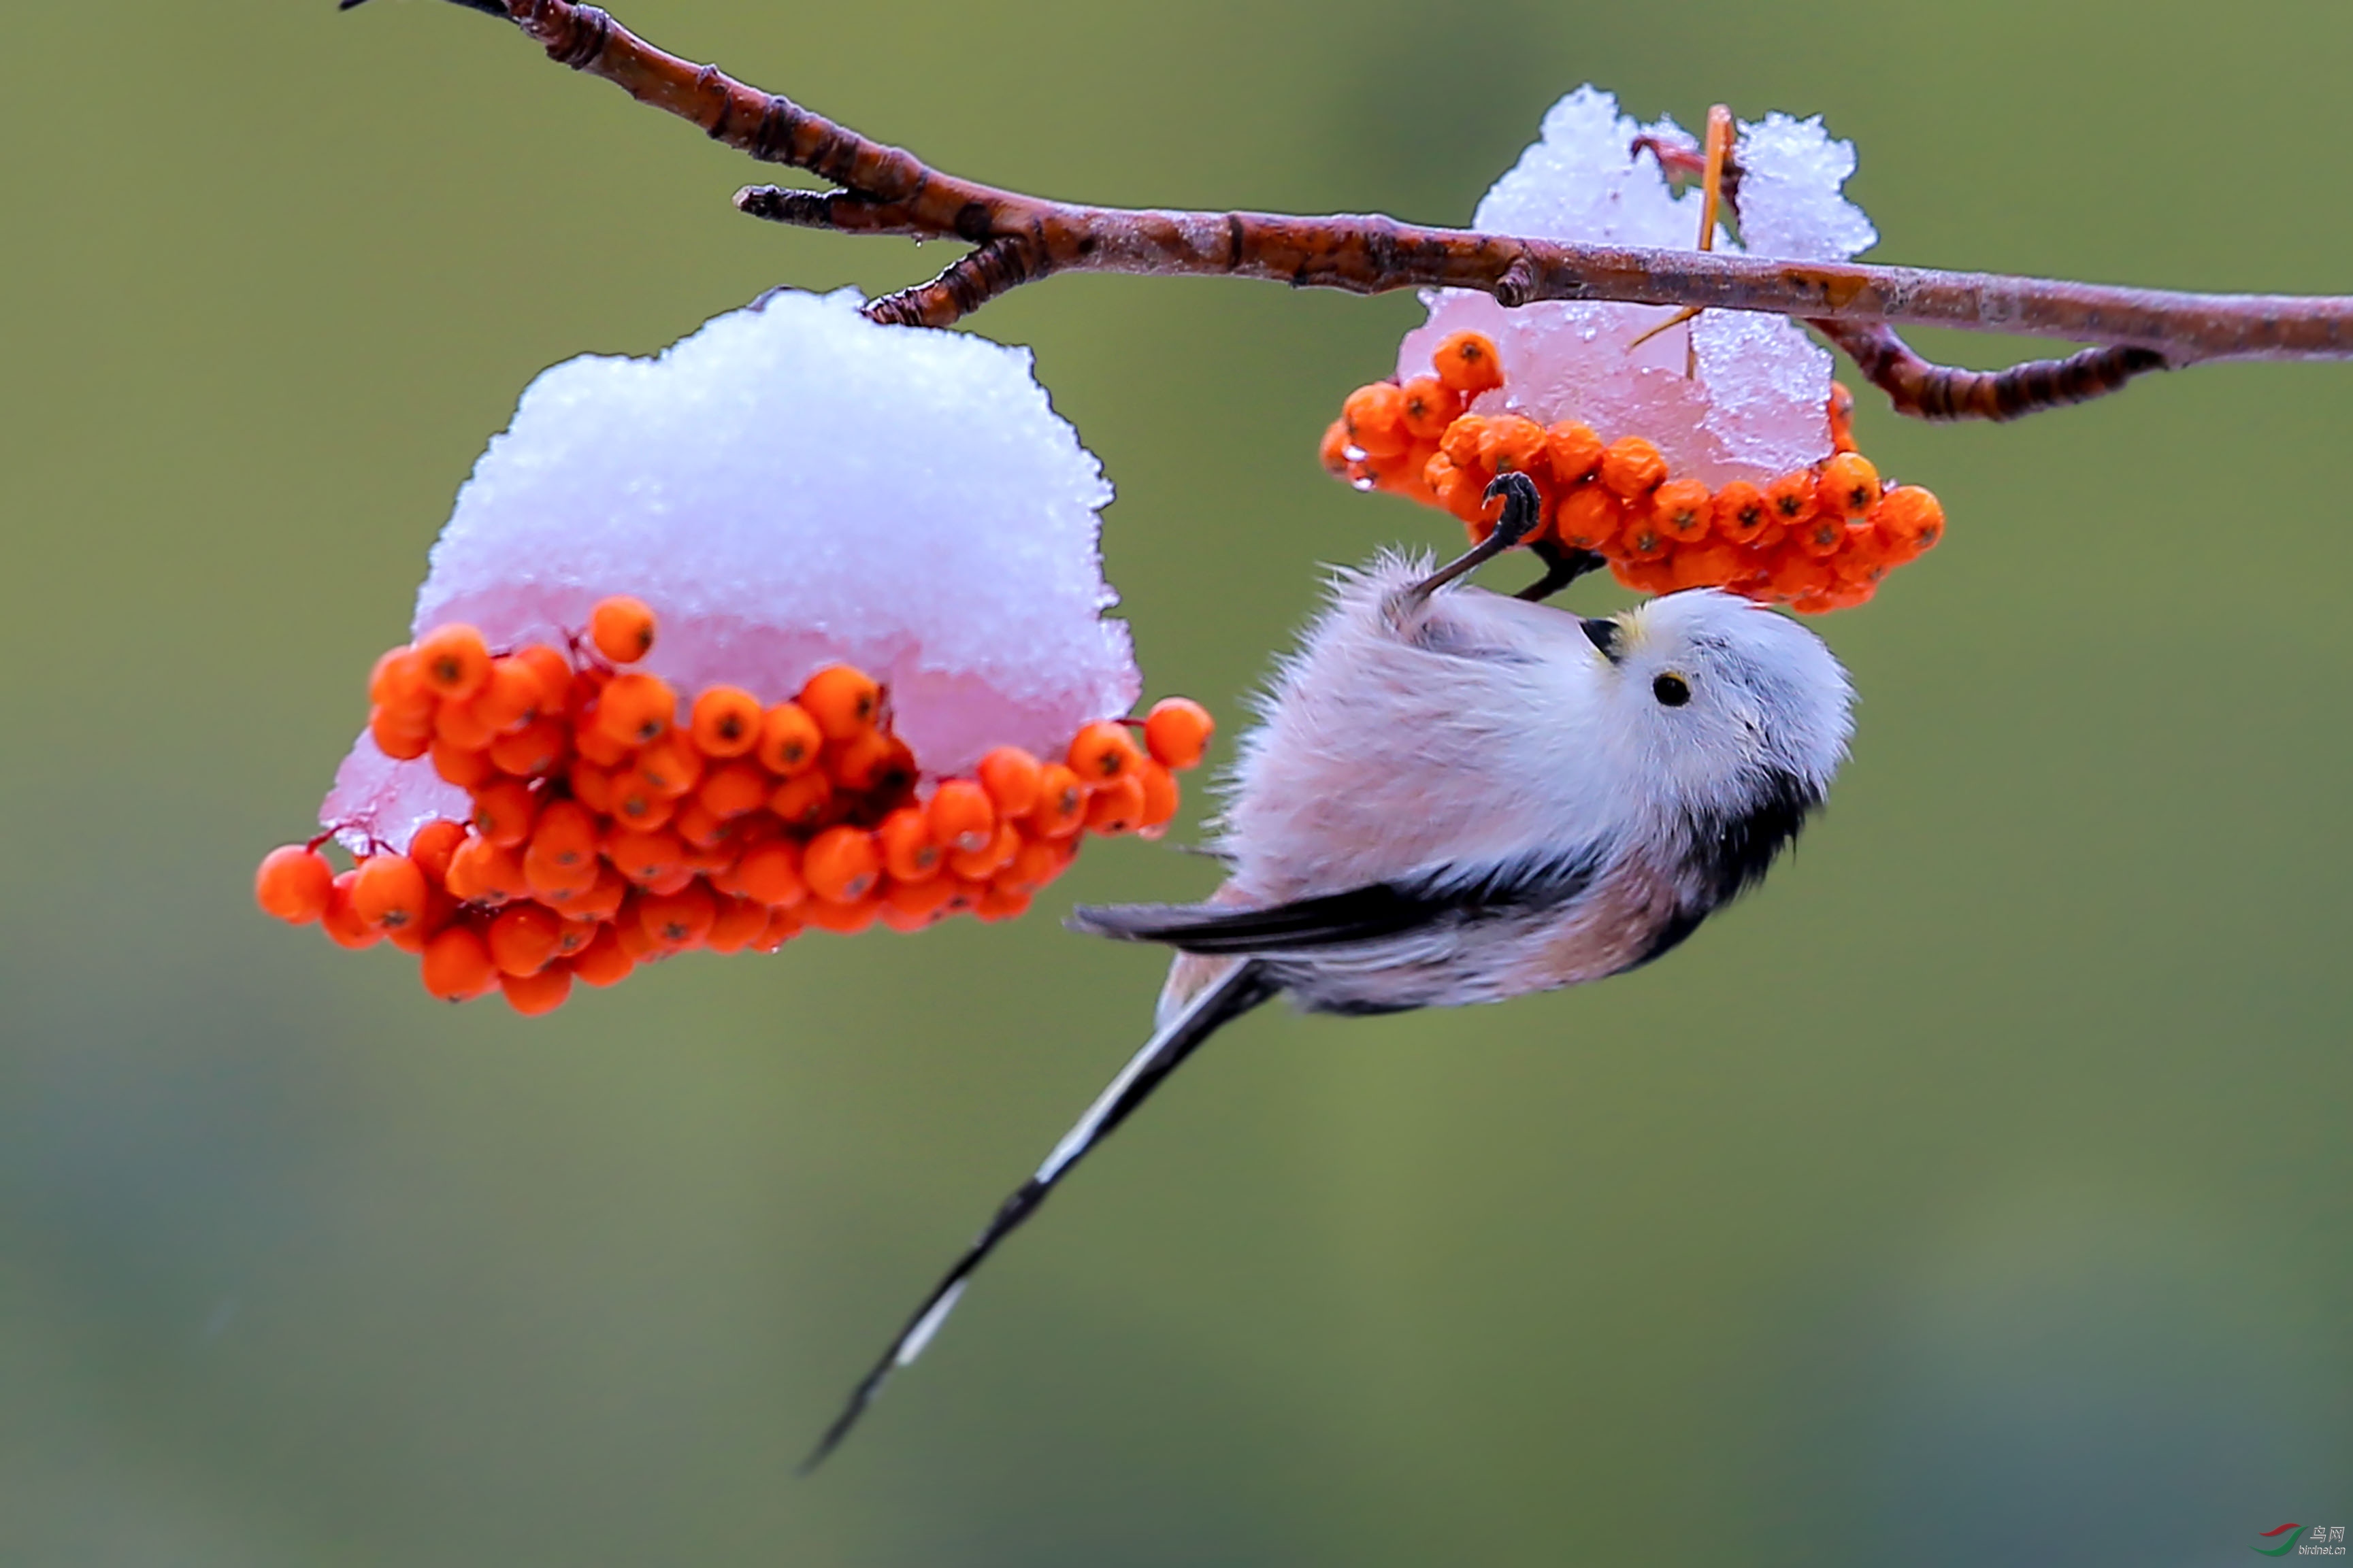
[(1755, 407), (789, 487)]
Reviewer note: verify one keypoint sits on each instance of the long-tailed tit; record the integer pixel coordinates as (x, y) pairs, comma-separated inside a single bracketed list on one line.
[(1456, 797)]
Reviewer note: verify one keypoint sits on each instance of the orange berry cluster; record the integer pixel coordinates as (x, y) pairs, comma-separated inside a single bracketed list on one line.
[(1816, 539), (613, 826)]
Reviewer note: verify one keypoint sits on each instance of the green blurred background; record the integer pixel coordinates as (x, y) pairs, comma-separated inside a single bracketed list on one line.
[(1976, 1193)]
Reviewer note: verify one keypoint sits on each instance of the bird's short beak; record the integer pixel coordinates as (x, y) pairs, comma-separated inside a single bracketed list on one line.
[(1603, 635)]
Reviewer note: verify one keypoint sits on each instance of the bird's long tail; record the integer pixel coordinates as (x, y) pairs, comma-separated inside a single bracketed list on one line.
[(1241, 988)]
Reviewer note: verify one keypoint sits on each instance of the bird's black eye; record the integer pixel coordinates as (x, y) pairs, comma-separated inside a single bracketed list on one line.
[(1672, 690)]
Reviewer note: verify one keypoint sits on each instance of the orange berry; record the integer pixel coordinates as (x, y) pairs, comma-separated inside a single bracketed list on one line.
[(537, 748), (1862, 558), (603, 899), (962, 816), (979, 865), (1061, 808), (789, 740), (554, 672), (875, 761), (439, 910), (622, 629), (1010, 776), (732, 789), (845, 702), (847, 919), (803, 800), (1467, 363), (565, 834), (389, 892), (1795, 574), (1333, 452), (1117, 806), (916, 904), (680, 919), (712, 860), (783, 926), (635, 805), (841, 865), (494, 871), (1573, 451), (1160, 797), (523, 938), (592, 786), (294, 883), (1708, 565), (602, 961), (555, 885), (397, 680), (701, 827), (459, 724), (1430, 405), (1819, 536), (1396, 473), (466, 769), (1177, 730), (1463, 491), (1512, 445), (997, 903), (534, 995), (910, 853), (1459, 445), (670, 767), (636, 943), (457, 965), (398, 737), (770, 874), (1102, 752), (1037, 862), (1632, 468), (1842, 414), (634, 709), (454, 661), (1589, 518), (504, 812), (1741, 513), (1683, 509), (737, 924), (432, 846), (1644, 576), (341, 922), (1849, 486), (1644, 540), (1374, 416), (510, 697), (726, 721), (644, 856), (600, 748), (1791, 498), (1910, 520)]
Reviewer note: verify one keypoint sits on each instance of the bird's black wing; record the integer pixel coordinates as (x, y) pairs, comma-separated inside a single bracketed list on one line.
[(1370, 913), (1240, 989)]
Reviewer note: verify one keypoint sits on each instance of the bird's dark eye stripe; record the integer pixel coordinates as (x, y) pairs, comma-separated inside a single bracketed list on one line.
[(1672, 690)]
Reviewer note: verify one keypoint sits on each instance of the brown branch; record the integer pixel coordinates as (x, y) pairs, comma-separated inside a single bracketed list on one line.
[(1926, 390), (886, 190)]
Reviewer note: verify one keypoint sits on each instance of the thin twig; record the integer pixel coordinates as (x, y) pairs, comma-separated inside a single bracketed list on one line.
[(886, 190)]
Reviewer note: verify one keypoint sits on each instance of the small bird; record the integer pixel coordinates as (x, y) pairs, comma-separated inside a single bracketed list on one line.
[(1456, 797)]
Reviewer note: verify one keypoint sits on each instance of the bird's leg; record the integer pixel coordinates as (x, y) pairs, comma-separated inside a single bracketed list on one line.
[(1563, 565), (1523, 510)]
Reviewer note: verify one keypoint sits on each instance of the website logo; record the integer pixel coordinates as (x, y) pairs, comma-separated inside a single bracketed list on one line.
[(2315, 1540)]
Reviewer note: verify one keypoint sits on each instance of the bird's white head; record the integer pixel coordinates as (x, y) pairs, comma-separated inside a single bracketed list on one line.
[(1725, 705)]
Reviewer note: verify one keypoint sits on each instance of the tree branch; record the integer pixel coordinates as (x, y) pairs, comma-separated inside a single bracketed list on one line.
[(886, 190)]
